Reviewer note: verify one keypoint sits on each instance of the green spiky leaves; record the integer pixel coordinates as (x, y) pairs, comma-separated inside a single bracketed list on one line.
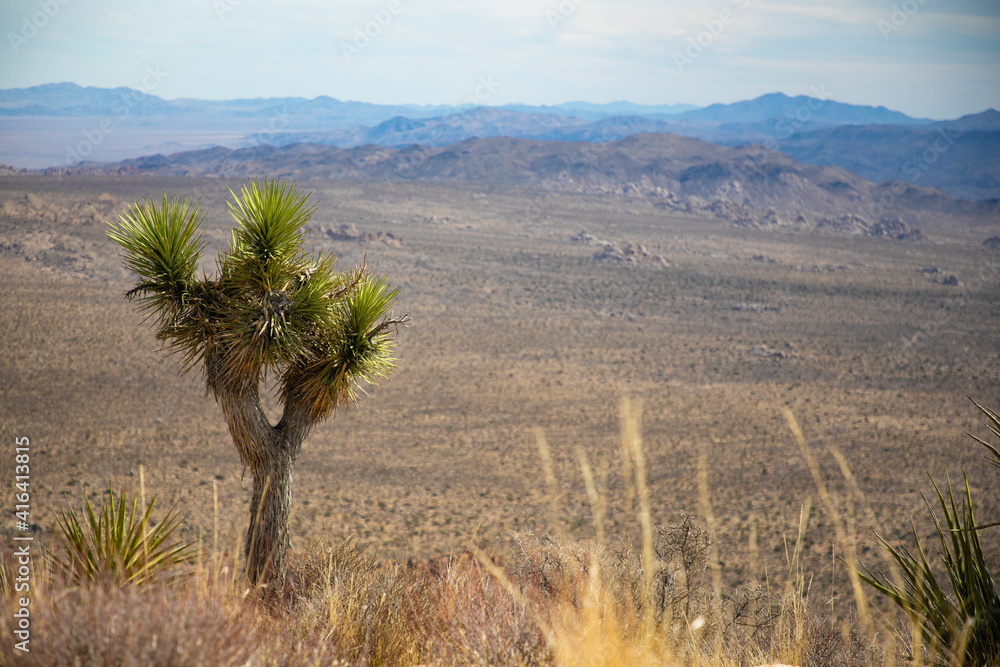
[(993, 424), (119, 541), (958, 618), (271, 308), (962, 627), (161, 245), (358, 351), (266, 244)]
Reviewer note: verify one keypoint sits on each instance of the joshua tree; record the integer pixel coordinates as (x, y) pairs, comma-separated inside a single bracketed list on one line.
[(269, 309)]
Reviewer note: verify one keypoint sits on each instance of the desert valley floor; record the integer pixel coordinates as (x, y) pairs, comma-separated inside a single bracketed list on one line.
[(515, 325)]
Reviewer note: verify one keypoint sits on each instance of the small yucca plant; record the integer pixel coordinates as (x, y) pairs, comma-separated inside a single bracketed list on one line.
[(119, 542), (961, 625)]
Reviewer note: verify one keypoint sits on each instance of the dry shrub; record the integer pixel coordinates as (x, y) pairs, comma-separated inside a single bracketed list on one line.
[(103, 624), (548, 570), (590, 605), (760, 626), (465, 615), (840, 645), (343, 605), (553, 602), (682, 554)]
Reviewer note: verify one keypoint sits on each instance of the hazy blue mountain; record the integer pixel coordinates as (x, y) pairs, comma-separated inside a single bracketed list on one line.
[(69, 99), (970, 168), (324, 109), (440, 130), (592, 111), (949, 156), (987, 121), (505, 122), (623, 107), (801, 108)]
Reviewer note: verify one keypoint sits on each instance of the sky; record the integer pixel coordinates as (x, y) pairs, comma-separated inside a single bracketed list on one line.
[(928, 58)]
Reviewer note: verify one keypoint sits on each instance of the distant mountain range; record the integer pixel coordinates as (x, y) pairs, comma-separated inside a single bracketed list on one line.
[(69, 99), (959, 157), (592, 111)]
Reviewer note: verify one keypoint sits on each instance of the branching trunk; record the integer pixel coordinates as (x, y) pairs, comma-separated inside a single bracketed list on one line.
[(269, 452)]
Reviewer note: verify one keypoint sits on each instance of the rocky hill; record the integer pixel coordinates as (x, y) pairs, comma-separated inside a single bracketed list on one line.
[(749, 186)]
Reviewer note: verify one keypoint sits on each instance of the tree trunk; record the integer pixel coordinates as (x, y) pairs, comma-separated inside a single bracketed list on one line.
[(266, 540), (269, 452)]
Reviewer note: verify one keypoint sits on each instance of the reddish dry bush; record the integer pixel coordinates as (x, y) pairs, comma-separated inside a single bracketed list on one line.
[(143, 626), (466, 615), (547, 570)]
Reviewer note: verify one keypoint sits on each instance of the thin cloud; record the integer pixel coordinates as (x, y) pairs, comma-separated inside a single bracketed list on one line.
[(545, 51)]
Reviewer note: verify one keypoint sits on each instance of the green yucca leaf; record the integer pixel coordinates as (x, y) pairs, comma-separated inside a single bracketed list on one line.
[(161, 244), (313, 300), (265, 246), (270, 307), (364, 349), (196, 324), (962, 627), (368, 305), (357, 350), (118, 542)]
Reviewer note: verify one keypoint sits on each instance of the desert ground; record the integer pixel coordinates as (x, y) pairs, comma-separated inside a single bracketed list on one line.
[(517, 330)]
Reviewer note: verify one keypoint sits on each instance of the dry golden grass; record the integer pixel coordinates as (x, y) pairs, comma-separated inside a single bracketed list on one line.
[(547, 601)]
